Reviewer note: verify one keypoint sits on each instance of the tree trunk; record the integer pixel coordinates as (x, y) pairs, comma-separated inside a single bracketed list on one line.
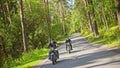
[(104, 19), (90, 22), (88, 16), (8, 11), (48, 21), (23, 26), (63, 16), (117, 5), (95, 29), (94, 24)]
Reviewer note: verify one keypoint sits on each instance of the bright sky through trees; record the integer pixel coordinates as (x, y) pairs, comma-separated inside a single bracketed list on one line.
[(70, 4)]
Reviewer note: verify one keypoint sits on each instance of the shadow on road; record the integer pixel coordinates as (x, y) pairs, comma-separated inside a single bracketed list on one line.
[(117, 61), (85, 59), (77, 61)]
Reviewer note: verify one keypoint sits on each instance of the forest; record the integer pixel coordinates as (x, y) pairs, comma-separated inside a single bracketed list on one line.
[(26, 26)]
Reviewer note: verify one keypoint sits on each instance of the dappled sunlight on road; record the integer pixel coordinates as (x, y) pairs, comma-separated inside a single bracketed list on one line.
[(84, 55)]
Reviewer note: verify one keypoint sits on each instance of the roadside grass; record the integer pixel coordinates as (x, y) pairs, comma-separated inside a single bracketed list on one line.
[(33, 57), (27, 60), (110, 38)]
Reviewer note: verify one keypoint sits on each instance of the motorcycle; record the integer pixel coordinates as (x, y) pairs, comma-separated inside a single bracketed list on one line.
[(53, 56), (68, 47)]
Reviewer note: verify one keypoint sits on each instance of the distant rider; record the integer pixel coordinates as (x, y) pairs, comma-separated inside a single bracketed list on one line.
[(68, 40)]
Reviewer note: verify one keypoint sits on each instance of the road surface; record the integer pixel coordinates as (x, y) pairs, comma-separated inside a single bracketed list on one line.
[(84, 55)]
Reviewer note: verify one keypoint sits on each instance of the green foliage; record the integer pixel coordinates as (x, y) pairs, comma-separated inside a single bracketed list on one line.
[(39, 23), (109, 38), (26, 59), (32, 56), (105, 17)]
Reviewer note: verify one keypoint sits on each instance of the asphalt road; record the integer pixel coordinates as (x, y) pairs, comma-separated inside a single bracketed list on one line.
[(84, 55)]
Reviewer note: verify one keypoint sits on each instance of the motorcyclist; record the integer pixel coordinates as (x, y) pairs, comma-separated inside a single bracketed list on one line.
[(68, 40), (53, 45)]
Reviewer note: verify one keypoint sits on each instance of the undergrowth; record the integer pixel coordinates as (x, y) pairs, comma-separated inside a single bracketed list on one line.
[(110, 38), (26, 60)]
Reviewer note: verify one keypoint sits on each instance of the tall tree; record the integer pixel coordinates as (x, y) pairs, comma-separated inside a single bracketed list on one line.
[(88, 14), (92, 14), (62, 14), (23, 26), (117, 4), (8, 11), (48, 21), (104, 17)]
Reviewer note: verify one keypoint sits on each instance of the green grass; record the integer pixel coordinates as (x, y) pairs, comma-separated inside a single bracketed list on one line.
[(27, 60), (110, 38)]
